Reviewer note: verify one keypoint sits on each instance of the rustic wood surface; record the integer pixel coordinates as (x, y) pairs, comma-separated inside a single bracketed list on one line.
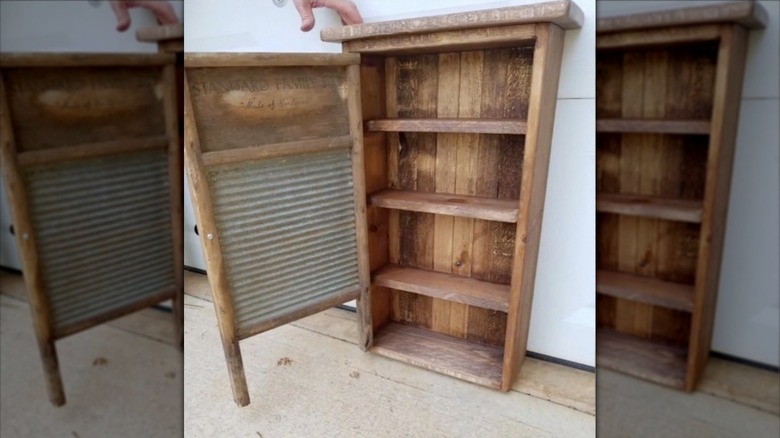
[(701, 127), (195, 60), (656, 361), (749, 14), (204, 214), (683, 210), (725, 118), (25, 240), (645, 290), (449, 287), (235, 108), (474, 362), (459, 125), (448, 204), (445, 41), (564, 13), (541, 114), (650, 99)]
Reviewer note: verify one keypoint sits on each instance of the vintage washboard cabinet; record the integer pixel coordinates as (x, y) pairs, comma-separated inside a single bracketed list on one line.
[(420, 226), (668, 96), (90, 157)]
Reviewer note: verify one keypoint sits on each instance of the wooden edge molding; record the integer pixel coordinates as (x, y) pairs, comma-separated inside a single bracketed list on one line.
[(160, 33), (21, 60), (564, 13), (749, 14), (269, 59)]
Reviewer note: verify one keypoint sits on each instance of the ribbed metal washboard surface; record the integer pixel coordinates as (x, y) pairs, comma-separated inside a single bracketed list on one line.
[(103, 229), (287, 232)]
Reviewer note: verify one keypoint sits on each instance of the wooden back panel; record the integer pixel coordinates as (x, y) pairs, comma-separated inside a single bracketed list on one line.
[(490, 84)]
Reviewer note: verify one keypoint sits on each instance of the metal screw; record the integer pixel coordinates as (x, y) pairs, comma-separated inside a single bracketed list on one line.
[(280, 3), (25, 236), (209, 236), (458, 263)]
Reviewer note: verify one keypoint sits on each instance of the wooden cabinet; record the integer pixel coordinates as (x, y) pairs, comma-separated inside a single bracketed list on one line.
[(90, 156), (409, 173), (668, 94)]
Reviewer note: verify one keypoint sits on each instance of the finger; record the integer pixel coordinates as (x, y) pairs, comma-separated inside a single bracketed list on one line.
[(307, 16), (162, 10), (347, 10), (122, 15)]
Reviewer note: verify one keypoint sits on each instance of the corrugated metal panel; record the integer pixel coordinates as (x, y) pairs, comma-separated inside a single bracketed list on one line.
[(103, 232), (287, 231)]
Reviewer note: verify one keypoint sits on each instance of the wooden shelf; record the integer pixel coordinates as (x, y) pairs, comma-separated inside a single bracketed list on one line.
[(656, 361), (683, 210), (646, 290), (445, 286), (700, 127), (476, 363), (464, 126), (501, 210)]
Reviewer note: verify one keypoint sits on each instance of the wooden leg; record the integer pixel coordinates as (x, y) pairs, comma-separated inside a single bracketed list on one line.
[(236, 370), (365, 325), (51, 369), (178, 318)]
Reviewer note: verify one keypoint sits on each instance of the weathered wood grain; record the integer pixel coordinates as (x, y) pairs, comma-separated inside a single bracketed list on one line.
[(563, 13)]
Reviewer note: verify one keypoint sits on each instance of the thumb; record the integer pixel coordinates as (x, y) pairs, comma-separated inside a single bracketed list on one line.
[(307, 16), (122, 15)]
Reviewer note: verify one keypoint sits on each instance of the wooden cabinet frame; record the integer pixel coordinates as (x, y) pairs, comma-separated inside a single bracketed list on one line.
[(668, 96), (79, 98), (518, 47)]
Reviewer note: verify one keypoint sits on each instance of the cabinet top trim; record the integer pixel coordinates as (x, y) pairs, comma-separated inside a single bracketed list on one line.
[(747, 13), (160, 33), (23, 60), (269, 59), (564, 13)]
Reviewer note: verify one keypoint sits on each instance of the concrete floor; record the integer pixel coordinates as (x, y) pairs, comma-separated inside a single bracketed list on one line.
[(629, 407), (122, 379), (309, 379)]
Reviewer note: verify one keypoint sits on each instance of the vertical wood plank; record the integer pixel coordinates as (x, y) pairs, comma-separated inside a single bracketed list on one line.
[(631, 317), (725, 117), (417, 93), (365, 329), (447, 107), (201, 200), (25, 239), (176, 188), (541, 113)]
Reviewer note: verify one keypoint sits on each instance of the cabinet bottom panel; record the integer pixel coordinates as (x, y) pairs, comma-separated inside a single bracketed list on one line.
[(470, 361), (656, 361)]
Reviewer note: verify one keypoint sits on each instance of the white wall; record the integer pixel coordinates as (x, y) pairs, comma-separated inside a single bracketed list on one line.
[(747, 320), (563, 315)]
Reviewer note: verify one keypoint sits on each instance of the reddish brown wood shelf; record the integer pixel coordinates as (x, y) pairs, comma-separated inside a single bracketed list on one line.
[(467, 126), (684, 210), (656, 361), (648, 126), (470, 361), (501, 210), (646, 290), (449, 287)]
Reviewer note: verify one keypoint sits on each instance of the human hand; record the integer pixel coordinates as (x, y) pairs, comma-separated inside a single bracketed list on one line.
[(346, 9), (162, 10)]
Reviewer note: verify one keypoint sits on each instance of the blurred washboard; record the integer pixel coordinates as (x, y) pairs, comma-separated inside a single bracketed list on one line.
[(89, 143)]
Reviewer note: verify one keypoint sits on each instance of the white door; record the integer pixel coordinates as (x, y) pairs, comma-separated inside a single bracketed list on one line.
[(747, 318), (563, 317)]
